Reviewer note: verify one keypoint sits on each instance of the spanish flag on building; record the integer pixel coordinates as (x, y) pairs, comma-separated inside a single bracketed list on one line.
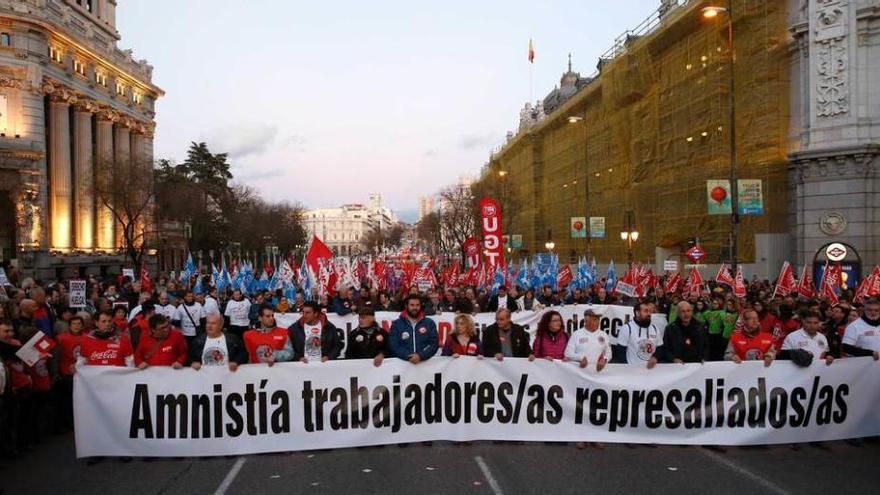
[(531, 52)]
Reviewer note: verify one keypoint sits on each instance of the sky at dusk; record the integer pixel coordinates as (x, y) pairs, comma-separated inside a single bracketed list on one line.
[(326, 102)]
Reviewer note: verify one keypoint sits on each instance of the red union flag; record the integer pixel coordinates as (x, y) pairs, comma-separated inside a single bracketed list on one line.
[(694, 281), (723, 276), (805, 284), (472, 252), (739, 284), (564, 277), (872, 285), (786, 283), (490, 219), (673, 283), (830, 280)]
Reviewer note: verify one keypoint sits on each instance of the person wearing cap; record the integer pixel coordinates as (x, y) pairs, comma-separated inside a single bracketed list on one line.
[(684, 340), (862, 336), (589, 345), (368, 340), (501, 300)]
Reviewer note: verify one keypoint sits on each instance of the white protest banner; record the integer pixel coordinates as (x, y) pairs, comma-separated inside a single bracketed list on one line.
[(77, 294), (164, 412), (38, 345), (613, 317), (128, 272)]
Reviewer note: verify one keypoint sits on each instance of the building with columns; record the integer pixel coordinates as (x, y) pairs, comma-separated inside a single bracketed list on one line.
[(343, 229), (74, 108)]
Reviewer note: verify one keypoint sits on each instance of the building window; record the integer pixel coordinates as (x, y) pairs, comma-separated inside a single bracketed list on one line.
[(101, 78), (79, 67), (5, 39), (120, 88), (137, 97), (56, 54)]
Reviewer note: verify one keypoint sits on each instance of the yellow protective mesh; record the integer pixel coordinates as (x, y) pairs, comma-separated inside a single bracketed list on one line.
[(655, 130)]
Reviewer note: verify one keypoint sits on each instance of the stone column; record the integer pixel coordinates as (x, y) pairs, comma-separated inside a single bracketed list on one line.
[(122, 164), (60, 190), (106, 239), (83, 173)]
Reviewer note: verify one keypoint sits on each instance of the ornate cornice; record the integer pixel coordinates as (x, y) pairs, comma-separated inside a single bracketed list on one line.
[(838, 163)]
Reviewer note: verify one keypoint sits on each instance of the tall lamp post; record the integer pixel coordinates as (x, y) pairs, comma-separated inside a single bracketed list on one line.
[(629, 234), (550, 245), (712, 12), (582, 119)]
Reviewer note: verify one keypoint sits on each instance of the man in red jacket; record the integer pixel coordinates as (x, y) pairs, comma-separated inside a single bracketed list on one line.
[(104, 346), (750, 343), (161, 346)]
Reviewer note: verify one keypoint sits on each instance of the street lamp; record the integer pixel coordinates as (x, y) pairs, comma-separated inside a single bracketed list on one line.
[(629, 234), (711, 12), (550, 245), (578, 119)]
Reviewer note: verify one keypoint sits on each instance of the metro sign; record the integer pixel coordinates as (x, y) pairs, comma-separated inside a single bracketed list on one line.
[(695, 254), (836, 252)]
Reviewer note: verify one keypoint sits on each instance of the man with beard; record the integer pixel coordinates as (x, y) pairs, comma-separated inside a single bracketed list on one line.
[(750, 343), (639, 339), (268, 343), (684, 340), (862, 337), (504, 338), (160, 345), (413, 337), (368, 340), (314, 337), (216, 348)]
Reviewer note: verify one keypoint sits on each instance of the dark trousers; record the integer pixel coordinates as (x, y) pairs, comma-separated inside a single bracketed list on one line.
[(63, 403), (238, 331), (717, 346)]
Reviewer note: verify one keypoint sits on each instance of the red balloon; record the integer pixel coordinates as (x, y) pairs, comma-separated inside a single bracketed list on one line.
[(719, 194), (578, 225)]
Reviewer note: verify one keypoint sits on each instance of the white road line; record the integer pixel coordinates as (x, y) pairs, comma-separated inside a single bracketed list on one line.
[(493, 483), (230, 477), (764, 482)]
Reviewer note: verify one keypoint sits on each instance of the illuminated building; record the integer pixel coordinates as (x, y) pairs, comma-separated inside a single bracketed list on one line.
[(73, 107)]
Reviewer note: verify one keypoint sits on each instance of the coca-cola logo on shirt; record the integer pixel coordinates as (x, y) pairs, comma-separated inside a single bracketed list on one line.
[(103, 355)]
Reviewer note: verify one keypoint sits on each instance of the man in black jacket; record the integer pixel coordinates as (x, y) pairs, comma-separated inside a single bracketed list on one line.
[(505, 338), (368, 340), (501, 301), (215, 347), (314, 337), (684, 340)]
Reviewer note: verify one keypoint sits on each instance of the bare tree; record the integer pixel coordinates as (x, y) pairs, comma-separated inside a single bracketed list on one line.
[(428, 232), (458, 219), (127, 189)]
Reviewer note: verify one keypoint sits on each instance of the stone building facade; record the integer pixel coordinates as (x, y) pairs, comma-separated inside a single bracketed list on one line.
[(73, 107), (343, 229)]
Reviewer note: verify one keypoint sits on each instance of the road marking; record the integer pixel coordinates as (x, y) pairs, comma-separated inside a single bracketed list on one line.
[(230, 477), (493, 483), (764, 482)]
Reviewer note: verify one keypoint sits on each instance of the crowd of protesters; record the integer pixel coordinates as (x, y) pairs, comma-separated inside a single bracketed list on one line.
[(169, 325)]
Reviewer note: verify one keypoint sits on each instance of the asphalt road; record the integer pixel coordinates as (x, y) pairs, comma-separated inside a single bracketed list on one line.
[(478, 468)]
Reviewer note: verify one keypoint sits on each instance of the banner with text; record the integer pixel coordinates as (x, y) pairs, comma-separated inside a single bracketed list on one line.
[(295, 406)]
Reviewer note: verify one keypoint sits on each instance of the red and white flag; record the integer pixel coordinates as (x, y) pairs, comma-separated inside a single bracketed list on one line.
[(786, 283), (35, 348), (694, 281), (723, 276), (673, 283), (564, 276), (830, 281), (805, 284), (739, 284)]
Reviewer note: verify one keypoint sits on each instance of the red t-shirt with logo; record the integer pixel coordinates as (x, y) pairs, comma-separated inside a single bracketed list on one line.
[(105, 352), (172, 348), (751, 347), (261, 345), (39, 373), (70, 352)]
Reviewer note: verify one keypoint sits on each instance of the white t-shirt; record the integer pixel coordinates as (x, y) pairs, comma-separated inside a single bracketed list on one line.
[(189, 324), (215, 353), (862, 335), (134, 312), (584, 343), (312, 349), (800, 339), (211, 306), (640, 343), (237, 311), (502, 302), (168, 311)]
